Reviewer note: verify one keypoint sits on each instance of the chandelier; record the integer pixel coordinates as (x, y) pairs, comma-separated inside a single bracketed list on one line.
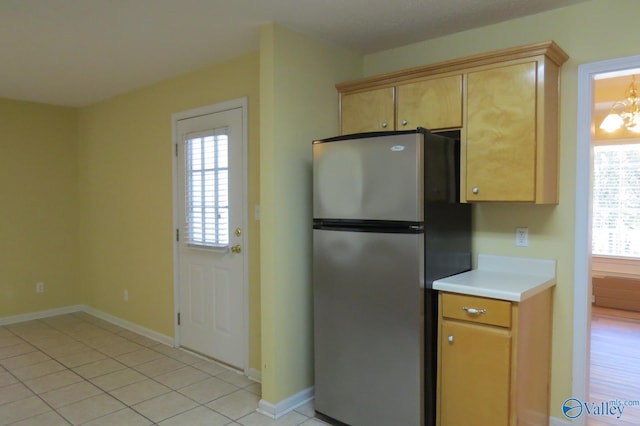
[(624, 113)]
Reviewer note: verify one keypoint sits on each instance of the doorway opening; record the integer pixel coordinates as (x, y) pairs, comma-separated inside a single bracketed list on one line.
[(583, 369)]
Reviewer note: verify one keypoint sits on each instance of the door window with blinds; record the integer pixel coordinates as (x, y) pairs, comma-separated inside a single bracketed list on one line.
[(207, 188), (616, 200)]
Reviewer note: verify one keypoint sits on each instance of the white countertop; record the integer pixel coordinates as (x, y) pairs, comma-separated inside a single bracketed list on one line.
[(502, 277)]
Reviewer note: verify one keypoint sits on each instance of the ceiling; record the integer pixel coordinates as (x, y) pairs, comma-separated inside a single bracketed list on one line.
[(609, 88), (612, 87), (78, 52)]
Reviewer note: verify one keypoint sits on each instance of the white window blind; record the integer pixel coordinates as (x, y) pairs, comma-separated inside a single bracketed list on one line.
[(207, 188), (616, 200)]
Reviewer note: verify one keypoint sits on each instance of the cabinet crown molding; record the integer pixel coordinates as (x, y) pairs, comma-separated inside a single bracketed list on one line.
[(549, 49)]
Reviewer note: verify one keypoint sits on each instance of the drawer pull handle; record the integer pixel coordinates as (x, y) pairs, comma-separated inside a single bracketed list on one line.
[(474, 311)]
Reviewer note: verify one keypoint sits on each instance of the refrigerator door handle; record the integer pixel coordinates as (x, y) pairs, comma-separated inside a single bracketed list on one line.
[(421, 261)]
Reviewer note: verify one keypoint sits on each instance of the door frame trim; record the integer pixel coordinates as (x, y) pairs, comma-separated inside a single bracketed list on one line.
[(242, 104), (582, 243)]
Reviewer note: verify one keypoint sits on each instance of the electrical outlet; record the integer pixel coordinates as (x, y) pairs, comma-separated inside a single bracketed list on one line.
[(126, 295), (522, 237), (40, 287)]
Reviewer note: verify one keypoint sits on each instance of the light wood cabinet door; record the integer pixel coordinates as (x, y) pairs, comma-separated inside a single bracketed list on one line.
[(475, 367), (432, 104), (501, 134), (369, 111), (506, 104)]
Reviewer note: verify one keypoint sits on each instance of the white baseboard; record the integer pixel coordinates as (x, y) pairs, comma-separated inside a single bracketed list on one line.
[(41, 314), (146, 332), (151, 334), (154, 335), (275, 411)]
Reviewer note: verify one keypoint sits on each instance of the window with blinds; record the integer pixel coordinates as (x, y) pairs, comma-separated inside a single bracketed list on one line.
[(616, 200), (207, 189)]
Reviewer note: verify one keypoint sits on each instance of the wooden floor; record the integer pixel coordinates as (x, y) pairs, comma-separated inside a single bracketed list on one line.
[(615, 363)]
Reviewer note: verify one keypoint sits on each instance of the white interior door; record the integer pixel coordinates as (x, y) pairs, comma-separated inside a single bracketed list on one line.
[(211, 235)]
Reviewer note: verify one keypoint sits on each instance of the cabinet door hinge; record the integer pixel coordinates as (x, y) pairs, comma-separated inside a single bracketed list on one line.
[(176, 150), (178, 318), (177, 235)]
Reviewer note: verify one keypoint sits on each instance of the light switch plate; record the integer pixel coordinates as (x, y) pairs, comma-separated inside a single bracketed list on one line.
[(522, 237)]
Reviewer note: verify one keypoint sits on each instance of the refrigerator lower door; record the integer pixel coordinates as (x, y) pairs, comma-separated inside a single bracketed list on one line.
[(368, 327)]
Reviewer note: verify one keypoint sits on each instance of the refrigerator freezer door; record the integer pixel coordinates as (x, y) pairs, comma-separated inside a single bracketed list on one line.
[(367, 324), (370, 178)]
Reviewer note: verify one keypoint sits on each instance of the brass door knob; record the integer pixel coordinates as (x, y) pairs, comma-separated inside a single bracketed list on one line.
[(236, 249)]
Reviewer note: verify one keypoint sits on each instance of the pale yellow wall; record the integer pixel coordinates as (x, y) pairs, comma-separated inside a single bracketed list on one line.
[(38, 207), (124, 200), (588, 32), (125, 192), (299, 103)]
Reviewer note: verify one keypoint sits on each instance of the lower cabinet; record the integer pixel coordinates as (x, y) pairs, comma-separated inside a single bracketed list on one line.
[(476, 365), (494, 360)]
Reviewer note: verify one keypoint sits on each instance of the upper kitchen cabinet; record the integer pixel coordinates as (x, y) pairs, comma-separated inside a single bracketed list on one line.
[(501, 139), (432, 104), (367, 111), (510, 148), (506, 104)]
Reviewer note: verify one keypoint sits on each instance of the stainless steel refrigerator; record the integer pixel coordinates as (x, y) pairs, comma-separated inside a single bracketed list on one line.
[(387, 223)]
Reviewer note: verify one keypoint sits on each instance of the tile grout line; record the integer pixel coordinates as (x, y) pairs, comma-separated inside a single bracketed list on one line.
[(84, 379), (27, 386), (87, 380), (116, 331)]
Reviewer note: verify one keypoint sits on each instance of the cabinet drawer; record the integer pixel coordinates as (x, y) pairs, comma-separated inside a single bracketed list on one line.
[(476, 309)]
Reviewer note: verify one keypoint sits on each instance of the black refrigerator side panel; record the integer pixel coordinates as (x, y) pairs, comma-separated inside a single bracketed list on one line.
[(447, 222), (447, 249), (447, 241), (430, 360)]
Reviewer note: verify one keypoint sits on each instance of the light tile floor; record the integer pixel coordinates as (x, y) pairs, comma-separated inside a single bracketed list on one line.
[(78, 369)]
